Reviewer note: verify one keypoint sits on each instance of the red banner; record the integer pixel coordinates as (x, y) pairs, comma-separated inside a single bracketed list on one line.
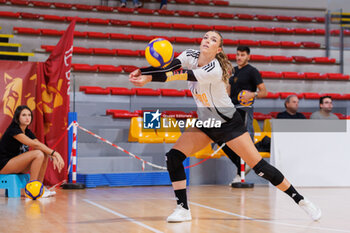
[(44, 87)]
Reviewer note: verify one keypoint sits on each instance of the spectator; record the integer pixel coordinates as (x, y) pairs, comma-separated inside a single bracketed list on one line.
[(163, 4), (325, 112), (291, 104)]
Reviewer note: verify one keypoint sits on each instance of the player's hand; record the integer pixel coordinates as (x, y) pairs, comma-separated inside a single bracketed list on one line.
[(248, 95), (140, 80), (135, 73), (57, 161)]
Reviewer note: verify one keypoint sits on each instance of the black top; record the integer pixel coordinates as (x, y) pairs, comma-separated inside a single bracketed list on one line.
[(286, 115), (246, 78), (9, 146)]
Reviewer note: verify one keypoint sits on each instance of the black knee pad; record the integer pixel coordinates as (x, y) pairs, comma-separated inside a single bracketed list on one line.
[(174, 159), (269, 172)]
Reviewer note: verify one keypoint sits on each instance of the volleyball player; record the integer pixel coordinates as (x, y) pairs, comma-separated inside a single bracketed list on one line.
[(207, 72), (15, 156)]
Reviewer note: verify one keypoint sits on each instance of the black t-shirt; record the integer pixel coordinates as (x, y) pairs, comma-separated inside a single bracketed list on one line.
[(9, 146), (286, 115), (246, 78)]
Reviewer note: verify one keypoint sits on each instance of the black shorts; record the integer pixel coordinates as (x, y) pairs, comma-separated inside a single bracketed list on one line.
[(228, 130), (3, 161)]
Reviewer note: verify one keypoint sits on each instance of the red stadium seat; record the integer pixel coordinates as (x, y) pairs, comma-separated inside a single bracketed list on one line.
[(308, 44), (20, 30), (83, 7), (183, 1), (274, 114), (281, 59), (182, 26), (19, 2), (145, 11), (283, 30), (303, 31), (202, 27), (242, 29), (335, 76), (161, 25), (98, 21), (127, 52), (83, 50), (324, 60), (320, 19), (284, 18), (186, 13), (293, 75), (260, 58), (260, 116), (345, 97), (248, 42), (172, 92), (335, 32), (104, 51), (308, 95), (220, 2), (146, 91), (80, 34), (270, 74), (140, 24), (109, 68), (231, 56), (166, 12), (54, 17), (29, 15), (202, 2), (340, 115), (48, 48), (116, 113), (320, 31), (118, 22), (51, 32), (99, 35), (290, 44), (118, 36), (62, 5), (141, 37), (95, 90), (104, 8), (185, 40), (268, 43), (78, 19), (9, 14), (265, 17), (225, 15), (245, 16), (303, 18), (121, 91), (302, 59), (263, 30), (84, 67), (223, 28), (230, 42), (128, 69), (41, 4), (205, 14), (271, 95), (332, 95), (312, 75), (307, 114)]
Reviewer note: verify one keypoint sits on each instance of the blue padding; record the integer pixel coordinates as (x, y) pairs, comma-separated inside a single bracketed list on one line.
[(129, 179)]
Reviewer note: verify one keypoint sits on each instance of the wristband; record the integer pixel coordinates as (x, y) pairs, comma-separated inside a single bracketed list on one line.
[(53, 152)]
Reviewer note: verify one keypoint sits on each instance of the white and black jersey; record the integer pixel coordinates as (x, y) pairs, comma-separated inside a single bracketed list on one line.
[(209, 91)]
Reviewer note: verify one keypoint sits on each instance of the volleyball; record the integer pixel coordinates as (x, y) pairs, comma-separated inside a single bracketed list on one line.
[(34, 189), (159, 52), (244, 102)]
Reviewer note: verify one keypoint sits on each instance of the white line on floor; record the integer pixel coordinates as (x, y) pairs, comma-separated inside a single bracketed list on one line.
[(266, 221), (122, 216)]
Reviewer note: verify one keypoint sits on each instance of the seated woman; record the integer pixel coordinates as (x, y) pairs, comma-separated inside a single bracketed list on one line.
[(15, 156)]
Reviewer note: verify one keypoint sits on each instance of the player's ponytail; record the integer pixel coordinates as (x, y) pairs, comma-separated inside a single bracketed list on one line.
[(225, 64)]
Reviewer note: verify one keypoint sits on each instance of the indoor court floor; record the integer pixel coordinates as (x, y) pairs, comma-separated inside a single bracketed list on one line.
[(262, 209)]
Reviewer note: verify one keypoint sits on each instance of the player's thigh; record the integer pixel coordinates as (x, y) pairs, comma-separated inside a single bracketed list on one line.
[(191, 141), (244, 147), (21, 162)]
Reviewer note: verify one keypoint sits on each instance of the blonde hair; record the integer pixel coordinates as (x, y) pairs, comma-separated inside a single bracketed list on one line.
[(225, 64)]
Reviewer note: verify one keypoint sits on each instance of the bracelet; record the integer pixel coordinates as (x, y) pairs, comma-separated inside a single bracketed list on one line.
[(53, 152)]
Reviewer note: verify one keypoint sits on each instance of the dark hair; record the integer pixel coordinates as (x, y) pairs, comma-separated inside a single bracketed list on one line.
[(324, 97), (18, 111), (243, 48)]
